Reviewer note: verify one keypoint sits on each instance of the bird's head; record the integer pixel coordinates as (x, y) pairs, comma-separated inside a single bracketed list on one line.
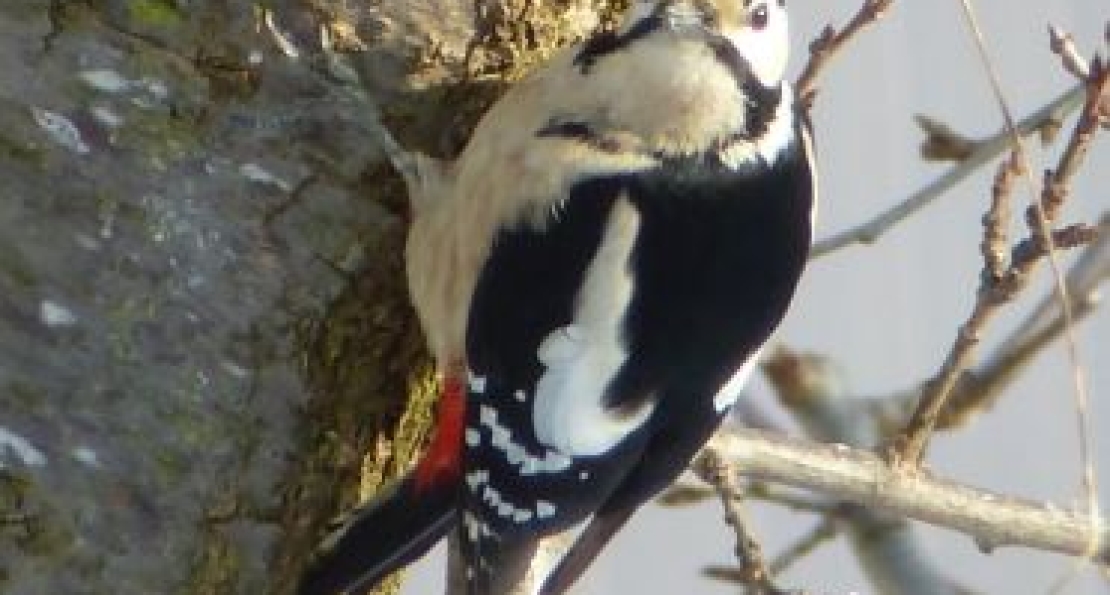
[(755, 29)]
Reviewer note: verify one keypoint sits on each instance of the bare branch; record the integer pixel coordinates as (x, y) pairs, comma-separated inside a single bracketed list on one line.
[(686, 493), (981, 388), (886, 546), (822, 533), (994, 292), (977, 390), (789, 499), (719, 473), (1086, 274), (860, 476), (830, 41), (985, 150), (996, 243), (941, 142), (1063, 45), (1097, 92), (825, 531)]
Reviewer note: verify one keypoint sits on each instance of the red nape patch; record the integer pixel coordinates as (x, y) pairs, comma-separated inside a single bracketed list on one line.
[(443, 460)]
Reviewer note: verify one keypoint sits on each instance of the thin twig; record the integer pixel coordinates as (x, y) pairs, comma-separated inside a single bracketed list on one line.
[(1062, 44), (1042, 216), (1090, 270), (824, 532), (1055, 192), (684, 494), (978, 389), (982, 387), (830, 41), (985, 151), (886, 546), (996, 237), (720, 474), (941, 142), (909, 446)]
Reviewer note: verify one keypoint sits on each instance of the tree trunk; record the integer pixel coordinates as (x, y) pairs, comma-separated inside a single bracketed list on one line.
[(206, 348)]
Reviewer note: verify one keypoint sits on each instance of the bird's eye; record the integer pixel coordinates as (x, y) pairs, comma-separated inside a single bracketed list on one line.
[(760, 17)]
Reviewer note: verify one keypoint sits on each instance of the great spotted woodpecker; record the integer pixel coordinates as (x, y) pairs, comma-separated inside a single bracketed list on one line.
[(596, 274)]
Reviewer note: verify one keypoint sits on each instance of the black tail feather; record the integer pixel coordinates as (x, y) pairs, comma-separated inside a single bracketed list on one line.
[(497, 565), (381, 537), (590, 542)]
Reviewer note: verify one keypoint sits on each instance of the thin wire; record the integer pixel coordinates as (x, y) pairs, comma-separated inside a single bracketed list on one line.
[(1082, 398)]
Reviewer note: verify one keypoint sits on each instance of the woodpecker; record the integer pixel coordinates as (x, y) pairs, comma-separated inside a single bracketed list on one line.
[(595, 274)]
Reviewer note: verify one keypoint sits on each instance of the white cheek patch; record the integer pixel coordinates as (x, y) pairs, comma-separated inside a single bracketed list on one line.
[(581, 359), (727, 395), (767, 49)]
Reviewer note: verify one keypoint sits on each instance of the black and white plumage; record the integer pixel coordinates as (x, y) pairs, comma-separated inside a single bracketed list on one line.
[(600, 268)]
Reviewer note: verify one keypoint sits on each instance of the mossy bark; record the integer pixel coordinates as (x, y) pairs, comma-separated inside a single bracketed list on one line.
[(206, 347)]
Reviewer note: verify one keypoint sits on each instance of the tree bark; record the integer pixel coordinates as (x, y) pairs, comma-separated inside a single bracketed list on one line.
[(206, 347)]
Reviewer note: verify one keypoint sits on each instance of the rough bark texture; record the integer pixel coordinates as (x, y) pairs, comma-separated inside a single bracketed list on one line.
[(206, 349)]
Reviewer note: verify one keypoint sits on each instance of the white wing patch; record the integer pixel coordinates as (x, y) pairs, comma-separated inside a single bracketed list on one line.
[(727, 395), (582, 358), (811, 158), (766, 49)]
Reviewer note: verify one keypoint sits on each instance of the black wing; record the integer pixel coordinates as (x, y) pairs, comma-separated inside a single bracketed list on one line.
[(715, 260)]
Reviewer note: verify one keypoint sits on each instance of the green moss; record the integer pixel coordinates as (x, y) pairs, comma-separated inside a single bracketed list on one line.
[(25, 522), (16, 150), (14, 488), (162, 138), (15, 268), (157, 13), (217, 569), (23, 394), (171, 466), (45, 536), (193, 430)]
